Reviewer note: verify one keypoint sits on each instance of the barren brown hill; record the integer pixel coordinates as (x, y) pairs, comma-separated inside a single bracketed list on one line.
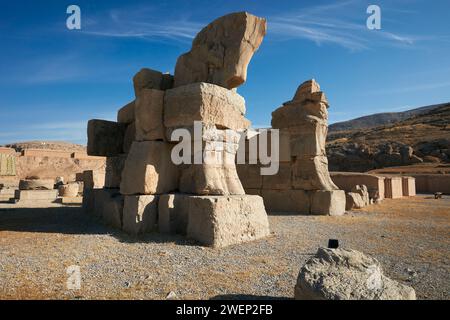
[(47, 145), (421, 138)]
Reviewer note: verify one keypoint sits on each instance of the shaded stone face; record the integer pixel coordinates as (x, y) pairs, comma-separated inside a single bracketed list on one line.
[(105, 138), (222, 51)]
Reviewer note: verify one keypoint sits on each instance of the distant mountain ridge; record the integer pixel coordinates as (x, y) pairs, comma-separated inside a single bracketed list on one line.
[(380, 119)]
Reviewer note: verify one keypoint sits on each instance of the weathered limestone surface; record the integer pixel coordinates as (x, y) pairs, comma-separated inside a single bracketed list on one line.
[(363, 192), (151, 79), (353, 201), (348, 180), (173, 213), (305, 117), (250, 176), (108, 205), (140, 214), (49, 195), (93, 179), (113, 171), (105, 138), (432, 183), (36, 184), (312, 174), (324, 202), (149, 115), (72, 200), (393, 188), (222, 51), (126, 113), (409, 186), (340, 274), (206, 179), (208, 103), (292, 201), (358, 198), (219, 221), (68, 190), (281, 180), (149, 169)]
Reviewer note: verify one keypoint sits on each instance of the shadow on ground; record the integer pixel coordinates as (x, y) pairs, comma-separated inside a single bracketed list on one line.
[(73, 220)]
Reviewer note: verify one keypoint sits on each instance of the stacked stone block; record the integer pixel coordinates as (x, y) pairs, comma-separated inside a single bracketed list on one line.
[(303, 184), (144, 189)]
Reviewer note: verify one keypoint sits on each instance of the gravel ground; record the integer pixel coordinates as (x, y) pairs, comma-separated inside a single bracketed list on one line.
[(410, 237)]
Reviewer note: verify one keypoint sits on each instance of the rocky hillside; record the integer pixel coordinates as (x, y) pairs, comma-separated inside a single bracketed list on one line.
[(48, 145), (423, 137), (379, 119)]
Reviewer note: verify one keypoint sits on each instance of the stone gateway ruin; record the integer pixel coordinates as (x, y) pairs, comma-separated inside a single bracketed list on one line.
[(142, 189)]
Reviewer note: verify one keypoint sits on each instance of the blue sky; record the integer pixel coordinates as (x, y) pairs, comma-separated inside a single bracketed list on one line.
[(53, 80)]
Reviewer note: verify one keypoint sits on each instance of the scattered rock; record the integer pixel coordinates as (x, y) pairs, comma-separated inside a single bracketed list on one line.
[(340, 274)]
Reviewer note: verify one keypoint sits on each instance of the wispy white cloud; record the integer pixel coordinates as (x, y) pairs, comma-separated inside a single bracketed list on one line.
[(133, 23), (341, 23)]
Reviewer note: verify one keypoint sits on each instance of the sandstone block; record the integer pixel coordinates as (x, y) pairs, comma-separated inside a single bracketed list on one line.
[(331, 203), (354, 201), (126, 113), (219, 221), (72, 200), (280, 181), (203, 179), (105, 138), (287, 201), (363, 192), (149, 115), (108, 205), (308, 139), (294, 114), (222, 51), (149, 169), (208, 103), (409, 186), (140, 214), (393, 187), (113, 170), (312, 174), (348, 180), (49, 195), (250, 176), (68, 190), (93, 179), (151, 79), (173, 213)]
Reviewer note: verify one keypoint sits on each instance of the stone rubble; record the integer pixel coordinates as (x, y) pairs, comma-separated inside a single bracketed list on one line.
[(341, 274)]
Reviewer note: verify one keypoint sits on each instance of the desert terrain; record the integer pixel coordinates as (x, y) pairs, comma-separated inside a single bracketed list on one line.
[(408, 236)]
